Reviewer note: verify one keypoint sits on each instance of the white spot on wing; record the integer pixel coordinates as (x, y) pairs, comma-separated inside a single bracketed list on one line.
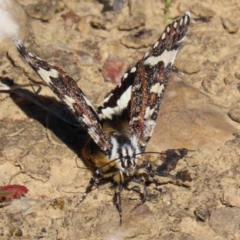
[(175, 24), (45, 75), (100, 115), (86, 120), (163, 36), (122, 103), (146, 54), (89, 103), (148, 128), (166, 57), (186, 19), (92, 131), (107, 98), (125, 75), (149, 112), (69, 101), (134, 119), (168, 29), (39, 58), (188, 13), (133, 70), (157, 88), (181, 22), (156, 44)]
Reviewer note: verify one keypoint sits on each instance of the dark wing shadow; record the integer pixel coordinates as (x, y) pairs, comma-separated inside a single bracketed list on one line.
[(49, 112)]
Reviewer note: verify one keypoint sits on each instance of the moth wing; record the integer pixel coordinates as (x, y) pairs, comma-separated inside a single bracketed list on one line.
[(68, 91), (117, 102), (151, 78)]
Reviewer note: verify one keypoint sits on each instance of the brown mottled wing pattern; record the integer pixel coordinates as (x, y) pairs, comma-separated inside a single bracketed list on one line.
[(68, 91), (151, 78)]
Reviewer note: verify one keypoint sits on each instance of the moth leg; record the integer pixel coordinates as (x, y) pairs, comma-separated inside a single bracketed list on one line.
[(141, 178), (171, 179), (118, 200), (142, 190), (95, 181), (148, 167)]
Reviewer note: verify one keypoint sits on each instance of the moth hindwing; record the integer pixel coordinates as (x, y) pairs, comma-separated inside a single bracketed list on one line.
[(119, 130)]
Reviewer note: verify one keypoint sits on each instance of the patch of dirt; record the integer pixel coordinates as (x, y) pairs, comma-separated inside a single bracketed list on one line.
[(200, 112)]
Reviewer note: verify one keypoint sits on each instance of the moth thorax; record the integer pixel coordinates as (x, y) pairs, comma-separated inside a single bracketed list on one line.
[(124, 151)]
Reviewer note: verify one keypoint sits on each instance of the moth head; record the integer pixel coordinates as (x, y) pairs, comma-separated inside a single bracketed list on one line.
[(124, 150), (127, 165)]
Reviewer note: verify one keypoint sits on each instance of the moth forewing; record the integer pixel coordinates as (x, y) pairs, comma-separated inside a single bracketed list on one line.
[(70, 94), (152, 77)]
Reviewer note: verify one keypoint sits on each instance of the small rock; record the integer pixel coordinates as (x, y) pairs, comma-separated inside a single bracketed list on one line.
[(229, 25), (84, 24), (136, 7), (133, 22), (229, 79), (188, 67), (97, 56), (200, 11), (70, 17), (106, 22), (118, 5), (209, 84), (43, 9), (230, 195), (234, 114), (237, 75), (206, 84), (18, 233), (58, 203), (98, 22), (139, 39), (113, 69), (202, 213), (107, 5), (225, 222), (137, 13), (86, 60)]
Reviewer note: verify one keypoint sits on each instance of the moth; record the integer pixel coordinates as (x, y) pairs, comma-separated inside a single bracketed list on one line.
[(121, 128)]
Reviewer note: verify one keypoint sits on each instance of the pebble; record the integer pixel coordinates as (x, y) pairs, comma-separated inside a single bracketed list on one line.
[(200, 11), (70, 17), (230, 26), (113, 69), (234, 114), (237, 75), (189, 67), (43, 10), (139, 39), (137, 16), (133, 22), (118, 5), (225, 222)]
